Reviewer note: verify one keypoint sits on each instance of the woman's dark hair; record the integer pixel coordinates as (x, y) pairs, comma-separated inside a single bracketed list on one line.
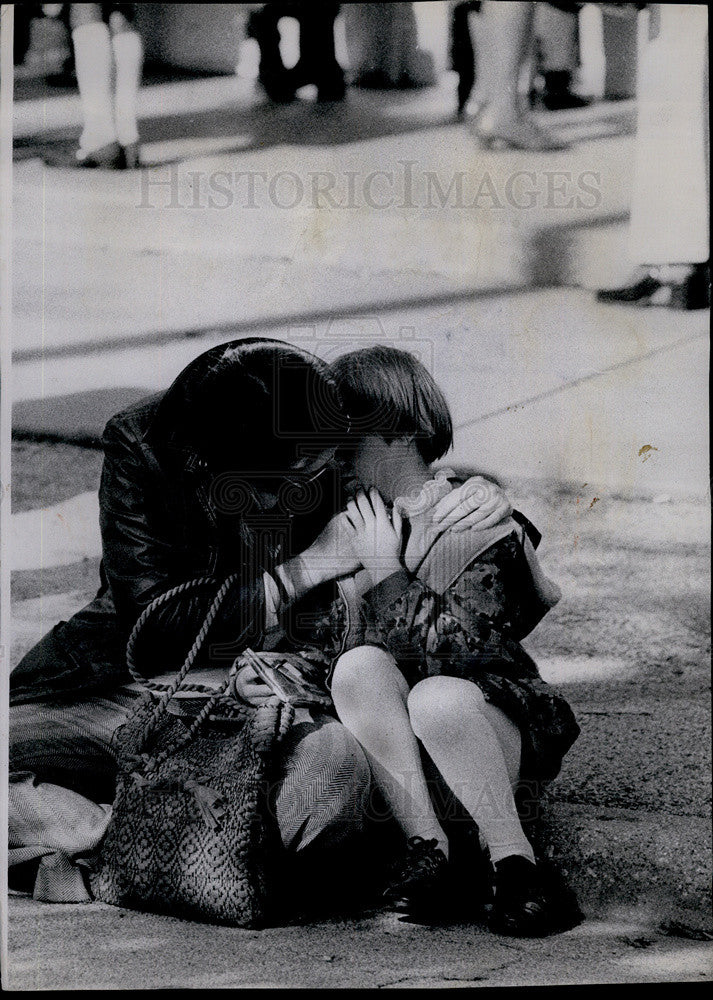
[(254, 404), (391, 393)]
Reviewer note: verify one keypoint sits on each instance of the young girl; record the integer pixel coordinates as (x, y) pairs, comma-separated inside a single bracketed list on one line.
[(432, 658)]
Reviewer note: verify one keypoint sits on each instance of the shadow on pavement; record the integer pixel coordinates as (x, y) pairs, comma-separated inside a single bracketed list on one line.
[(363, 116)]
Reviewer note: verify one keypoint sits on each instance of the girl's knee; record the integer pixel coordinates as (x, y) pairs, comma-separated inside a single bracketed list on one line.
[(365, 672), (443, 704)]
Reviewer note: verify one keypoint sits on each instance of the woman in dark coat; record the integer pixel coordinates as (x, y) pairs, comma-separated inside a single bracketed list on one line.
[(195, 483)]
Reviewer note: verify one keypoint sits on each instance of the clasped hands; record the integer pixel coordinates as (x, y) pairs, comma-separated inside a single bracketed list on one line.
[(368, 536)]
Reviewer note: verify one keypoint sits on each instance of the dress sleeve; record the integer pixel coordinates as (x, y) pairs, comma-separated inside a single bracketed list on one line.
[(496, 600)]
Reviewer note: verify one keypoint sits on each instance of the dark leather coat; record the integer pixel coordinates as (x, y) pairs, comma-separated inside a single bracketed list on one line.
[(160, 527)]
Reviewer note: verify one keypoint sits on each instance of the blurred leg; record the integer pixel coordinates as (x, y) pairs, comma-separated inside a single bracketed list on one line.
[(94, 68), (503, 37), (263, 26), (669, 235), (128, 62), (318, 62), (462, 51), (556, 32), (669, 217)]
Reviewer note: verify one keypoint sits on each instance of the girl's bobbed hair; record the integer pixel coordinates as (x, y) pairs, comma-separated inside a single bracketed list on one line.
[(389, 392)]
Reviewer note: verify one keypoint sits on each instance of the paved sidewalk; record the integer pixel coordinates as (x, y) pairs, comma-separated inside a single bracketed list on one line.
[(135, 951)]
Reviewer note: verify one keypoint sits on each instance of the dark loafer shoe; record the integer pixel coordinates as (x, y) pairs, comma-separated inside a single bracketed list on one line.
[(109, 157), (520, 908), (532, 900), (418, 881), (691, 292)]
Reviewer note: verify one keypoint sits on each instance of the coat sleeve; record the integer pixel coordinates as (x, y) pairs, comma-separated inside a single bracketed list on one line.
[(140, 565)]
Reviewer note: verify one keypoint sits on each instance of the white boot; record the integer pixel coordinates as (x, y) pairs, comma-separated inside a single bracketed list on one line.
[(93, 62), (128, 59)]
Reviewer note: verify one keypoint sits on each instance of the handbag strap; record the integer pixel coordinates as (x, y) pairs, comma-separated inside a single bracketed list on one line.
[(168, 692), (158, 602)]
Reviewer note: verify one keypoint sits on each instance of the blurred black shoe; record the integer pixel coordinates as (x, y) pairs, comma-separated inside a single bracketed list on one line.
[(653, 289), (109, 157), (418, 882), (520, 908), (65, 78), (277, 88), (556, 93), (332, 90)]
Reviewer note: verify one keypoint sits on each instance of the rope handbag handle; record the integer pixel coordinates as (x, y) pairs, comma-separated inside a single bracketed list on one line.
[(158, 602), (169, 691)]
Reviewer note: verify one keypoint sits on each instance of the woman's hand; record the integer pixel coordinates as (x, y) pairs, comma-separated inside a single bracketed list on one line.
[(478, 503), (375, 535), (330, 555)]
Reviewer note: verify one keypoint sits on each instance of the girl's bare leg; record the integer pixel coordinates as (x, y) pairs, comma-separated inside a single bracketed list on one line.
[(93, 64), (476, 748), (370, 695)]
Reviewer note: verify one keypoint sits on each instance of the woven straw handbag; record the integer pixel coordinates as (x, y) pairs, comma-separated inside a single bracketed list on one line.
[(190, 833)]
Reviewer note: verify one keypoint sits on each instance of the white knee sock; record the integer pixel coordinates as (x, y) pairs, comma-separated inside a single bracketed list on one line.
[(93, 61), (377, 717), (129, 58), (472, 759)]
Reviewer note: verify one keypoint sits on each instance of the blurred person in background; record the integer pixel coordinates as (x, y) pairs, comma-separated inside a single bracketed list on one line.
[(22, 27), (669, 236), (503, 44), (108, 60), (317, 61), (557, 45)]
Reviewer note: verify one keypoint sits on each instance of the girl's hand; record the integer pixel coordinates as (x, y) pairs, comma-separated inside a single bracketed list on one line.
[(376, 535), (478, 503)]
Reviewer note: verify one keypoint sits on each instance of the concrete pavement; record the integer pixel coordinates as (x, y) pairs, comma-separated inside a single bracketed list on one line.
[(133, 951)]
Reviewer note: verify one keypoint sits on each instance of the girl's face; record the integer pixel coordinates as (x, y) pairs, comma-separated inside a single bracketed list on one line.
[(373, 460)]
